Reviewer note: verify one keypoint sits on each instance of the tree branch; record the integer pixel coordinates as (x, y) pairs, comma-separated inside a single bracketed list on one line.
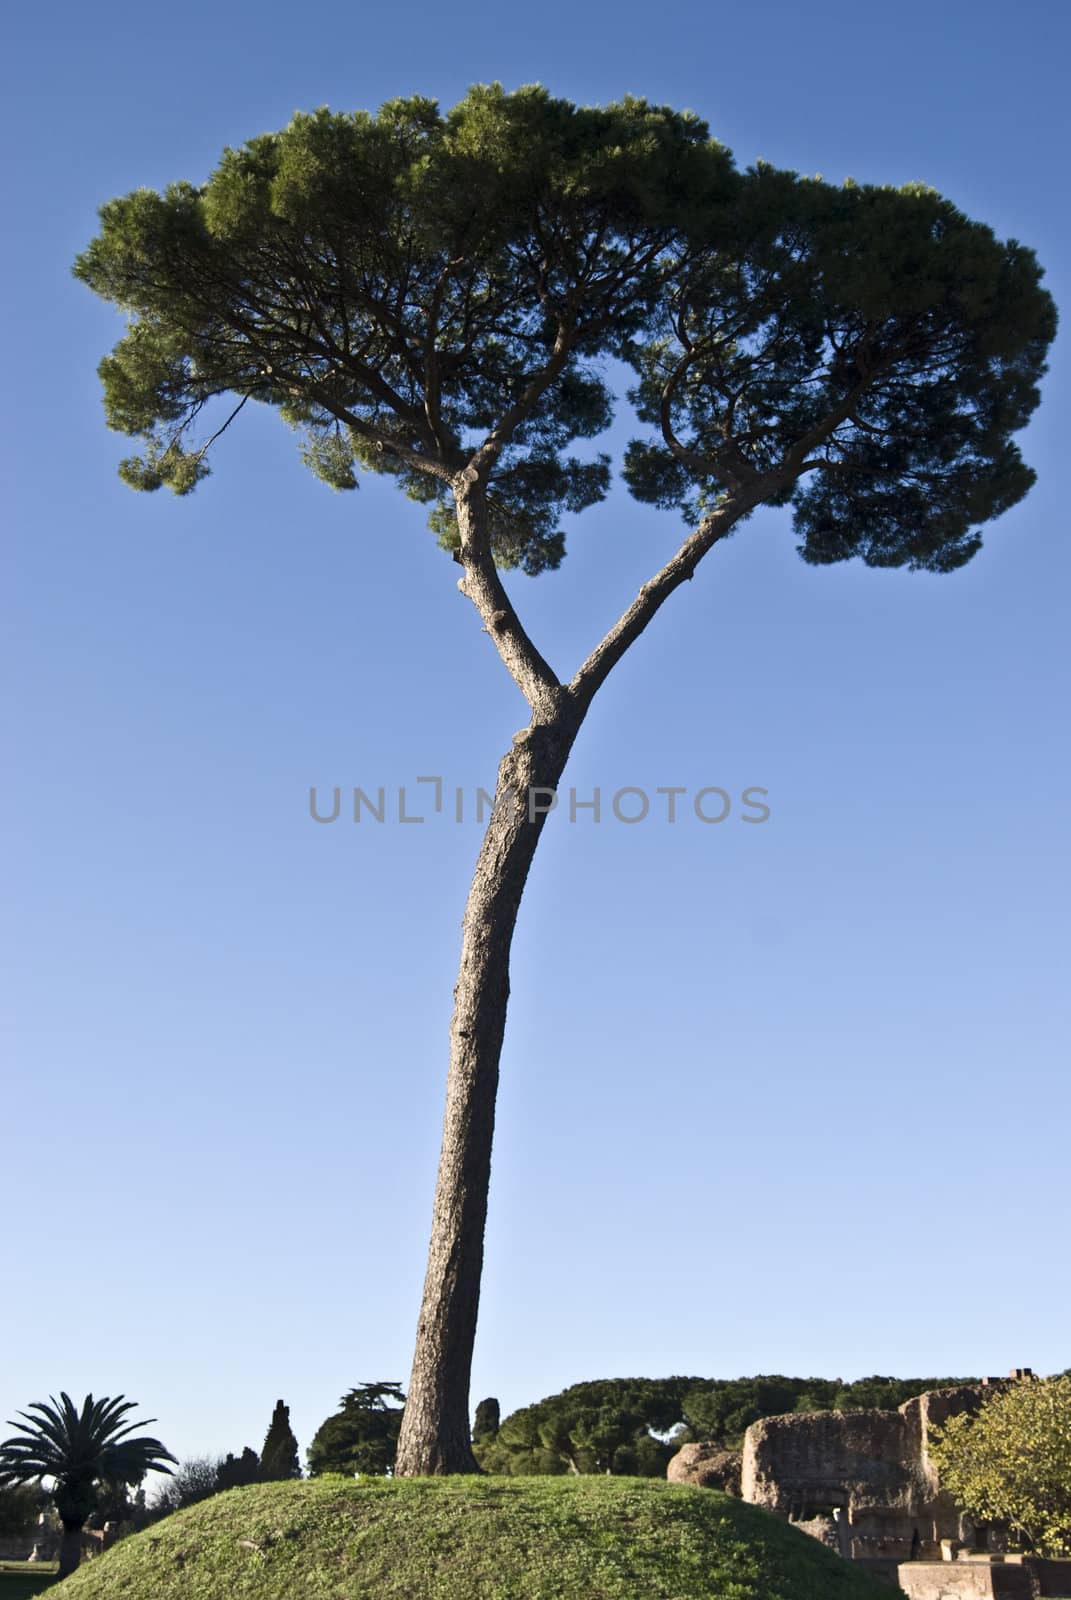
[(628, 627), (503, 431), (382, 441), (794, 458), (209, 442), (482, 585)]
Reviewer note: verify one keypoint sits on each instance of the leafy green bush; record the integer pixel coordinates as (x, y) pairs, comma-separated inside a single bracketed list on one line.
[(1012, 1462)]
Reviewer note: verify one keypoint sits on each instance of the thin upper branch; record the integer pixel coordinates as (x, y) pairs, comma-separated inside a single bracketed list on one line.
[(503, 431), (435, 468), (482, 585), (222, 429), (632, 622), (843, 412)]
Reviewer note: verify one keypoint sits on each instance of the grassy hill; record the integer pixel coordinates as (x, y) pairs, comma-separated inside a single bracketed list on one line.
[(470, 1539)]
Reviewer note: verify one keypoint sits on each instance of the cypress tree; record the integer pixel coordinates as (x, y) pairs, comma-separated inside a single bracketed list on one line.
[(279, 1453), (487, 1419)]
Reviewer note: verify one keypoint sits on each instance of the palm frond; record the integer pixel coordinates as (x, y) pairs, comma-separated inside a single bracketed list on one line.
[(78, 1448)]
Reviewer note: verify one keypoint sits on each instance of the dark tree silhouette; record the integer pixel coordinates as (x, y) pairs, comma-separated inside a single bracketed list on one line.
[(77, 1451), (486, 1421), (235, 1472), (279, 1452)]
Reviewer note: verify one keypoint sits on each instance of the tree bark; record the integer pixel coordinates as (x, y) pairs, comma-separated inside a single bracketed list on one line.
[(70, 1549), (434, 1436)]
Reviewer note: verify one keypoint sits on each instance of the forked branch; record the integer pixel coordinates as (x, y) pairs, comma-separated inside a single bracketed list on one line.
[(677, 570)]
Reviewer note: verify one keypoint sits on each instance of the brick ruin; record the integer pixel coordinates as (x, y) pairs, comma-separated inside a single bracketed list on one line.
[(864, 1481)]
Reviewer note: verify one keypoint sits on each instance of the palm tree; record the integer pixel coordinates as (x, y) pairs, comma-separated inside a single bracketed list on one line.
[(77, 1451)]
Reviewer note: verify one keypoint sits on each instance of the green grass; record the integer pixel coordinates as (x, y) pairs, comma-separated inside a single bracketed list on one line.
[(470, 1539)]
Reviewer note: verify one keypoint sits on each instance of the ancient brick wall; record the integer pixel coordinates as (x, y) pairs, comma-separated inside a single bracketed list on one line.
[(873, 1467), (801, 1466)]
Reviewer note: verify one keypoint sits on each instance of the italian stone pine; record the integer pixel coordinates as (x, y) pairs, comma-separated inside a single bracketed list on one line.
[(79, 1451), (436, 297)]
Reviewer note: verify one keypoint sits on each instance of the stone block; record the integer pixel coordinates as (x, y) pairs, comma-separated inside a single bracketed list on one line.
[(966, 1580)]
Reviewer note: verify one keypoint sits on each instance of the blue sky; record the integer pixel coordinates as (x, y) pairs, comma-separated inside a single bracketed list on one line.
[(780, 1098)]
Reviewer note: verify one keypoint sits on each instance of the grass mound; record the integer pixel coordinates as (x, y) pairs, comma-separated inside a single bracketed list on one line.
[(470, 1539)]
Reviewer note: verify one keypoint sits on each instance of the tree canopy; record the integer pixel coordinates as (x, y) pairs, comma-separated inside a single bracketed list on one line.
[(487, 1420), (195, 1478), (864, 352), (362, 1435), (631, 1426), (20, 1506)]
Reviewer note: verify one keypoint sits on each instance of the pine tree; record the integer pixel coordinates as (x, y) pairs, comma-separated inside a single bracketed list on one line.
[(862, 354)]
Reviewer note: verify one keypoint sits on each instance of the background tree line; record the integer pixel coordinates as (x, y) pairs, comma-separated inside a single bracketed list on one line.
[(628, 1427), (632, 1426)]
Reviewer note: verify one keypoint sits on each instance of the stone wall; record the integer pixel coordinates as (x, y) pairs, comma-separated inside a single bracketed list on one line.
[(872, 1468), (803, 1466), (934, 1409), (1003, 1578), (42, 1543)]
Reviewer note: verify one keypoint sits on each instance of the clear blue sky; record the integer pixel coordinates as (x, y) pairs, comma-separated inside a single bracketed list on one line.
[(781, 1098)]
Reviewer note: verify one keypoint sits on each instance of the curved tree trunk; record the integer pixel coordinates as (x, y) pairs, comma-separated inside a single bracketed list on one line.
[(434, 1436), (70, 1549), (435, 1429)]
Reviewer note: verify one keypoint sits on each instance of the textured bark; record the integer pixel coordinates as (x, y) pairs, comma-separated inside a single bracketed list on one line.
[(70, 1549), (434, 1436), (435, 1430)]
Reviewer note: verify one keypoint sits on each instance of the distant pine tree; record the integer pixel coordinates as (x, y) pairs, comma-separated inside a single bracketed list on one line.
[(279, 1453)]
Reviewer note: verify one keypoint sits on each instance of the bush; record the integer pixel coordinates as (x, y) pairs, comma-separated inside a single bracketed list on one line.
[(1011, 1462)]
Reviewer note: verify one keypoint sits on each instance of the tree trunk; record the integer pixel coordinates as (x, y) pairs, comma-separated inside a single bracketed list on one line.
[(70, 1549), (434, 1435)]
